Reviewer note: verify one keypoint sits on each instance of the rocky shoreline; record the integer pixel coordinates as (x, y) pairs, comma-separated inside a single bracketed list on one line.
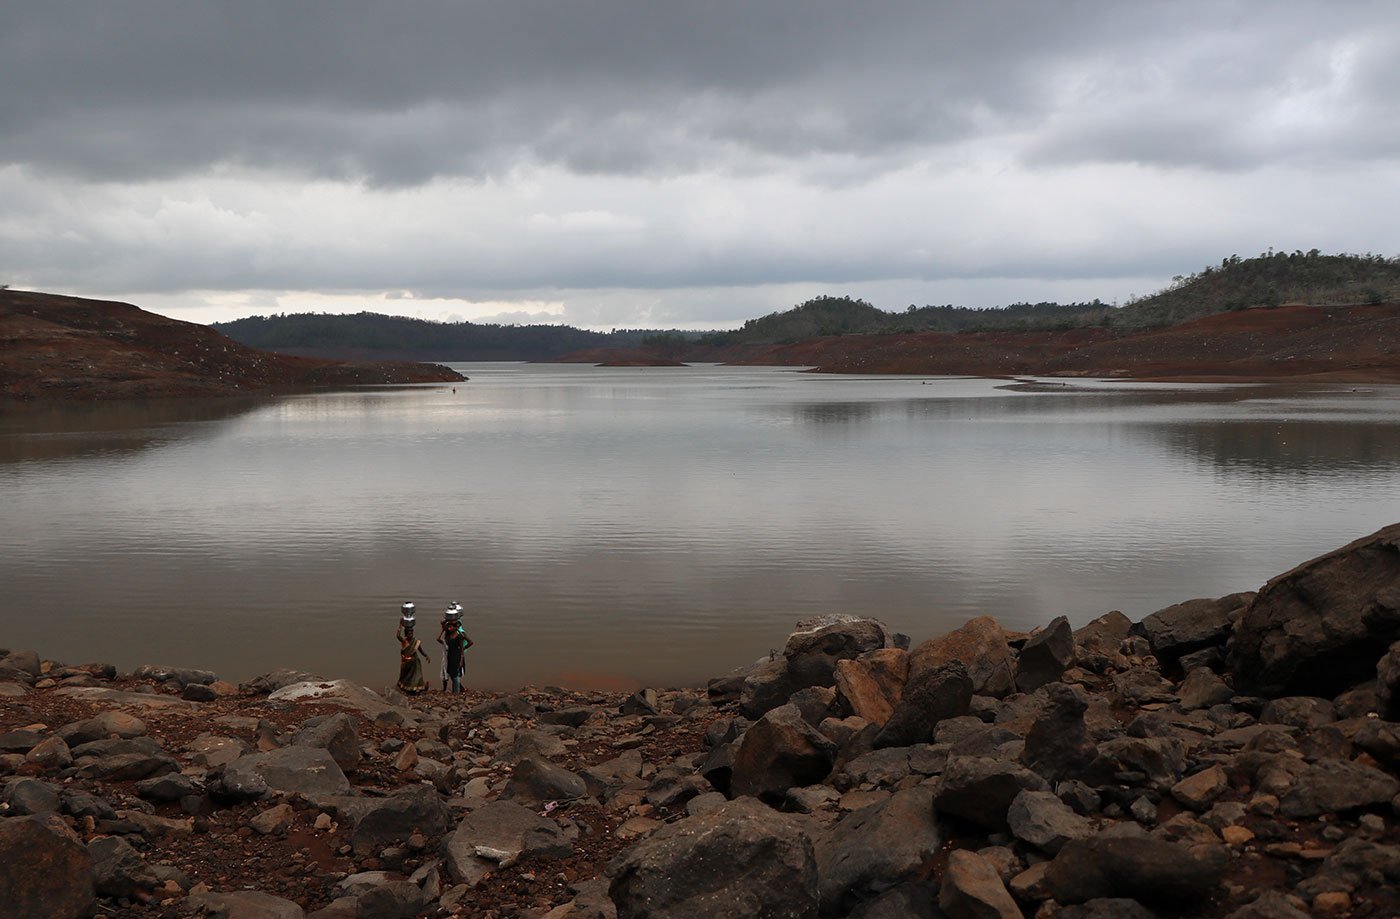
[(1223, 757)]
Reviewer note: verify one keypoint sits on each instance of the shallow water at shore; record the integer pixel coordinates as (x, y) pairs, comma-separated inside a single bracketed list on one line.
[(661, 525)]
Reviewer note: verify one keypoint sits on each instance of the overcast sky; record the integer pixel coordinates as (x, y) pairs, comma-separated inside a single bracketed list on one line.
[(681, 164)]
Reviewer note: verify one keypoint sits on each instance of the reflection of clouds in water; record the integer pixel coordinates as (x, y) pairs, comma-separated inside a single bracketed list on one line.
[(668, 531)]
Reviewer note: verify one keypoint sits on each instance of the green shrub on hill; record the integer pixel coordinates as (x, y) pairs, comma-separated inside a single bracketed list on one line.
[(1269, 279)]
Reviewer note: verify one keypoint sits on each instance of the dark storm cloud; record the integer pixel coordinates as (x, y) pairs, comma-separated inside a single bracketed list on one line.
[(397, 93)]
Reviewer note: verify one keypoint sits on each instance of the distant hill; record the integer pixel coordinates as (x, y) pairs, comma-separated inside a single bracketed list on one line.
[(1270, 279), (57, 347), (374, 335)]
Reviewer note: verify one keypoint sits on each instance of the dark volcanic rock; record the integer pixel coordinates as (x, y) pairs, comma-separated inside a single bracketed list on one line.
[(302, 770), (242, 904), (742, 860), (1322, 627), (981, 789), (1058, 745), (43, 875), (1045, 656), (972, 888), (1388, 688), (779, 751), (933, 694), (1043, 820), (1186, 627), (393, 819), (31, 796), (980, 644), (809, 659), (1146, 869), (499, 833), (877, 847), (535, 781), (1333, 786), (335, 733), (117, 870)]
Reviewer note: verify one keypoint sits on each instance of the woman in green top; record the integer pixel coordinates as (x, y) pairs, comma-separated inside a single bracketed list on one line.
[(410, 668)]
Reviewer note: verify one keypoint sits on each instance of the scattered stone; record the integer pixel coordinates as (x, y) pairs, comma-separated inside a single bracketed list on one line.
[(1199, 791), (1202, 689), (1115, 865), (243, 904), (395, 818), (742, 860), (1044, 821), (535, 781), (933, 694), (972, 889), (273, 820), (308, 771), (1045, 656), (873, 683), (335, 733), (1337, 786), (43, 875), (780, 751), (981, 789), (118, 871), (980, 644), (497, 834), (1058, 745), (1185, 627), (875, 847)]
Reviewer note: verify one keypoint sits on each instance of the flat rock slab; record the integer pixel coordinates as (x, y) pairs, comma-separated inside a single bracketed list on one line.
[(342, 693), (303, 770), (122, 697), (243, 904)]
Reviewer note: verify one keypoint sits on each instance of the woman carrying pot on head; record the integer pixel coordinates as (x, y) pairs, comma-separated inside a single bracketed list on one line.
[(453, 637), (410, 668)]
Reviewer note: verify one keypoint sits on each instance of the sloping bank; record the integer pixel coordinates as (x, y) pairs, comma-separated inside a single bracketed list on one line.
[(1223, 757)]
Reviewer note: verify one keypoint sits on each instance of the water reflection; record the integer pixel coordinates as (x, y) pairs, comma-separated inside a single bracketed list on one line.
[(657, 527), (62, 430)]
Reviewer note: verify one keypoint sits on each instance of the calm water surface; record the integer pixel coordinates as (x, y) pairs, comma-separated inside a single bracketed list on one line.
[(656, 525)]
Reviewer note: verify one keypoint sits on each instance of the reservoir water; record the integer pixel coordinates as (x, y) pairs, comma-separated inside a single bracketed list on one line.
[(656, 525)]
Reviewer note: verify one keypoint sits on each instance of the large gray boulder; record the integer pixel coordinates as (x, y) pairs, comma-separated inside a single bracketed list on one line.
[(1336, 786), (118, 870), (1043, 820), (1321, 628), (741, 860), (336, 733), (43, 875), (780, 751), (981, 789), (1058, 745), (934, 693), (1045, 656), (499, 833), (394, 819), (1140, 867), (535, 781), (1190, 626), (877, 847), (809, 659), (242, 904), (299, 770)]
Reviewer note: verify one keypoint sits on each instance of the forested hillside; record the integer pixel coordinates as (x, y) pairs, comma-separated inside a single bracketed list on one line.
[(1269, 279), (403, 338)]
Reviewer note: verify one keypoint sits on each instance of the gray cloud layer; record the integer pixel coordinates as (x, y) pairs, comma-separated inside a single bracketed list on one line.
[(152, 146)]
